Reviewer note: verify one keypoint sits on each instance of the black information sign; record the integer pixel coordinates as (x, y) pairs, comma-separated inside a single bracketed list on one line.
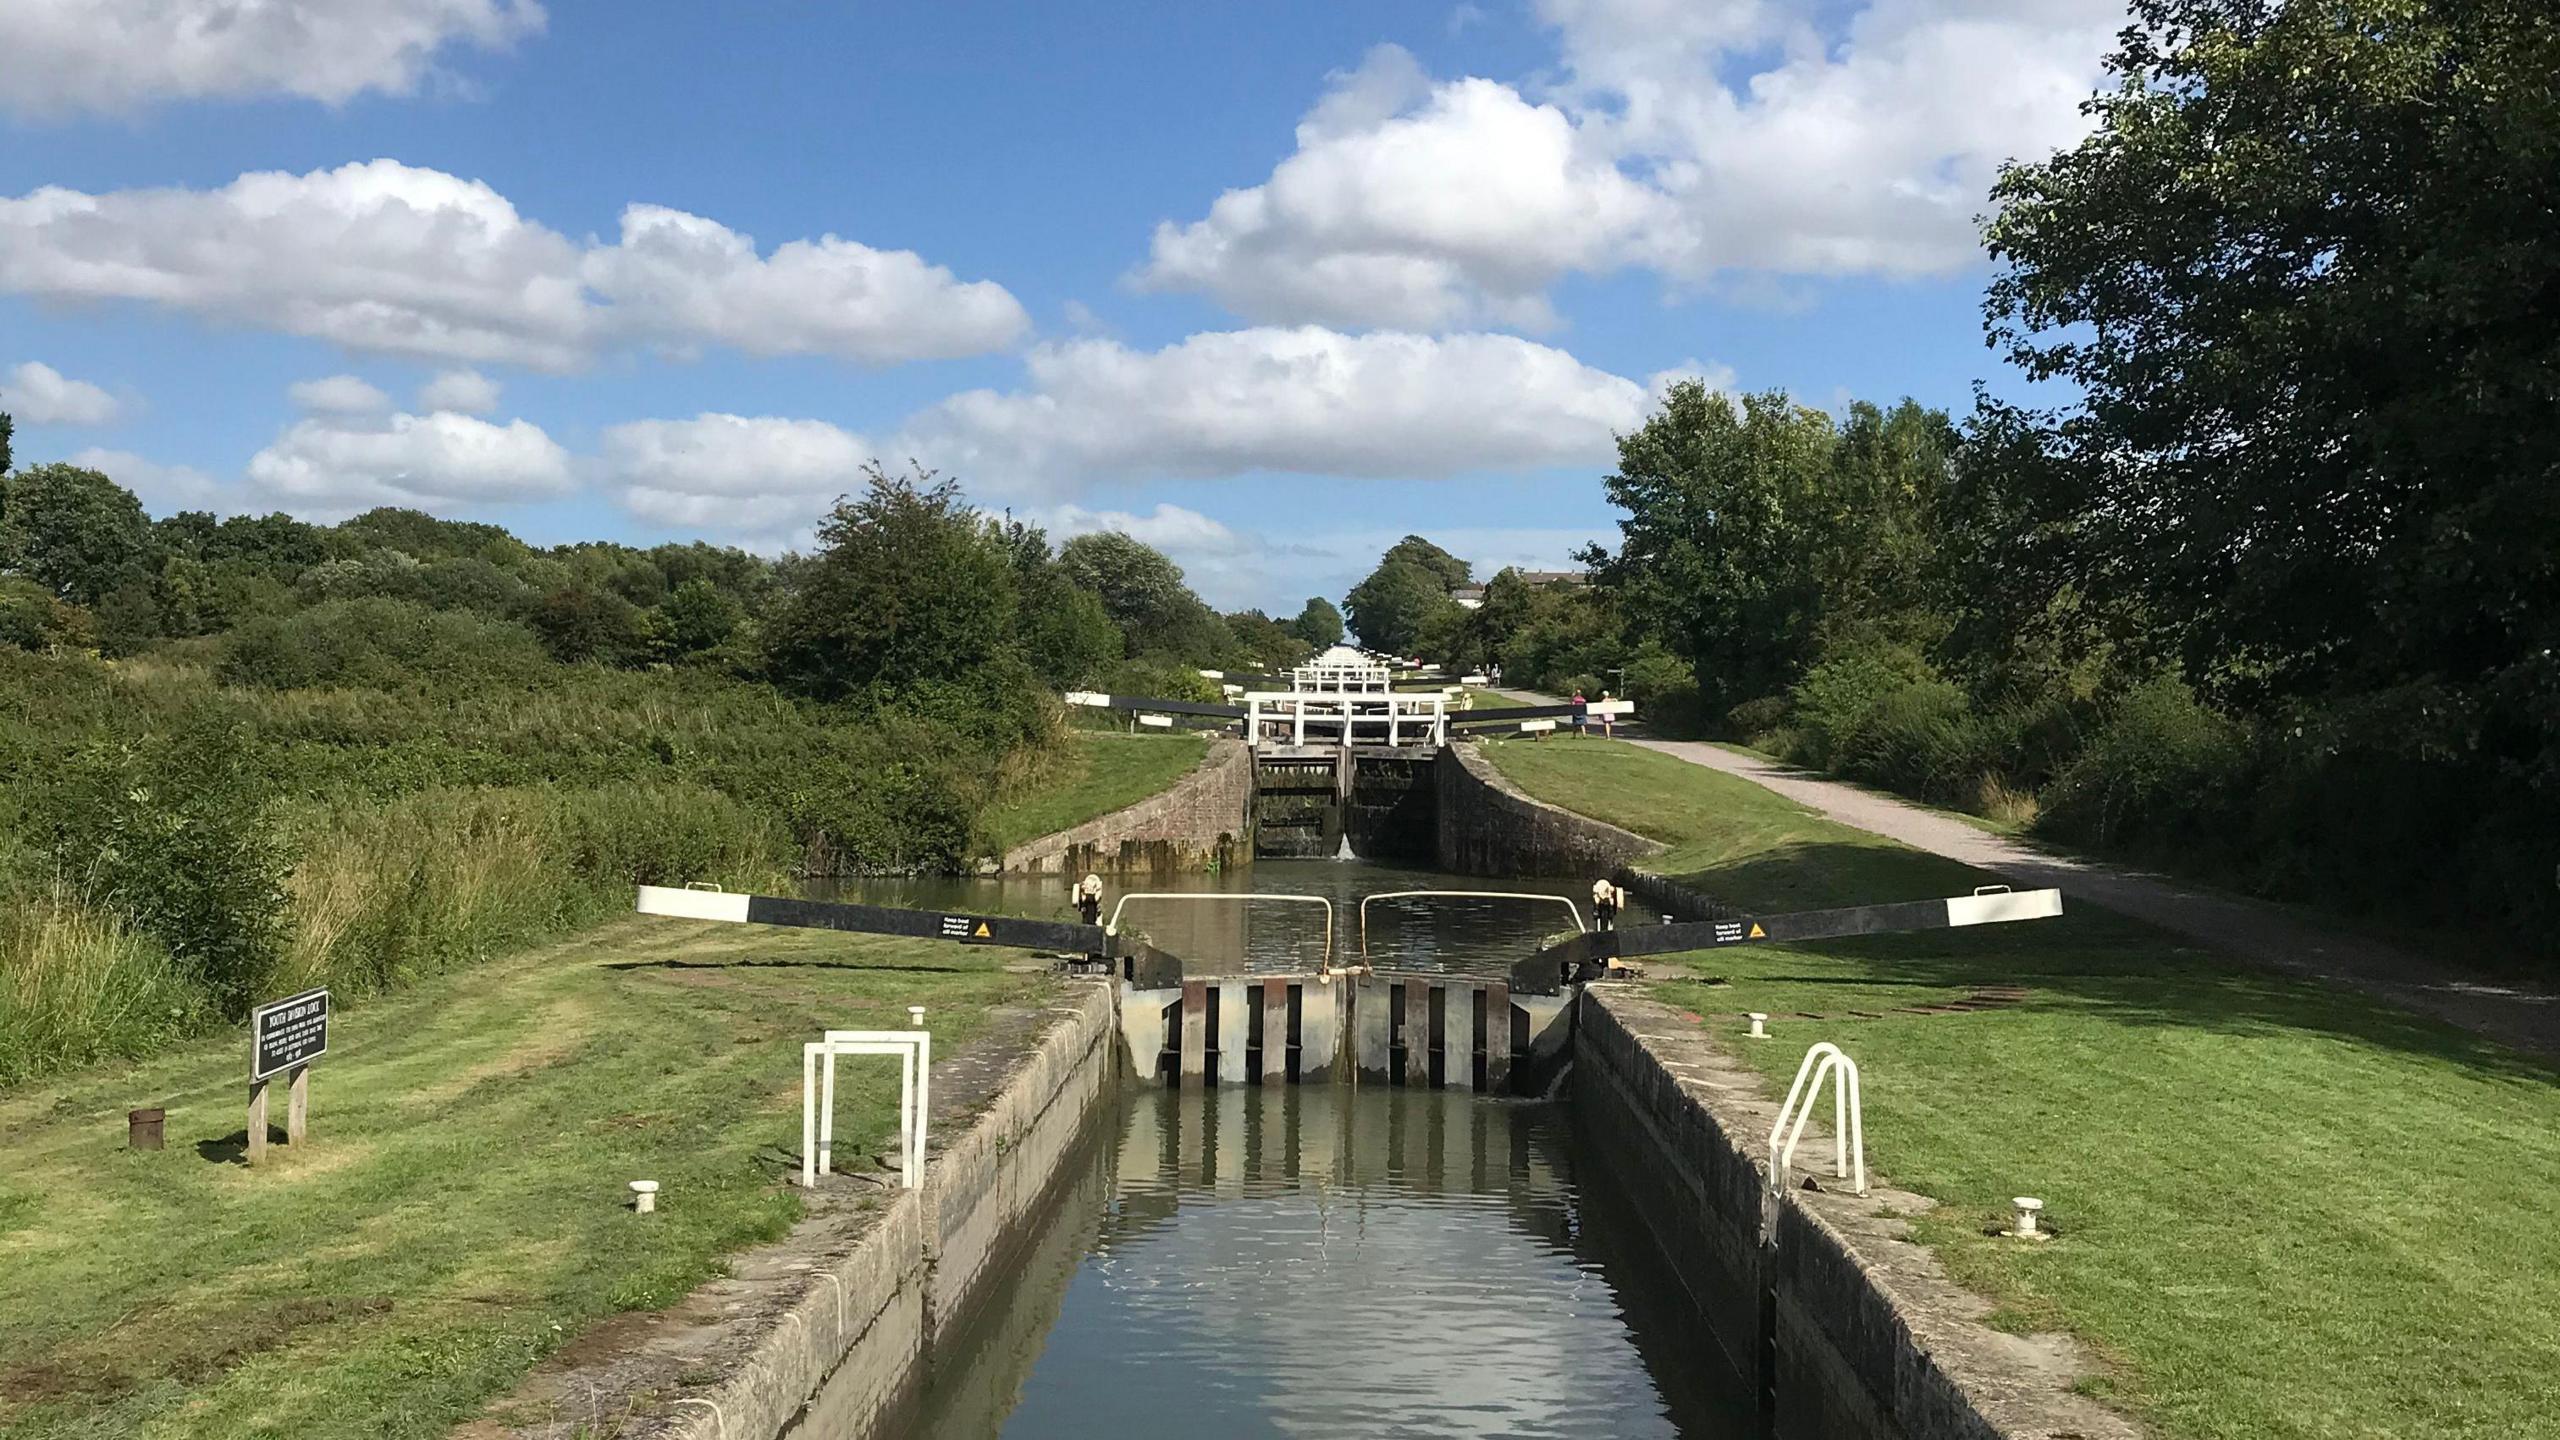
[(288, 1032)]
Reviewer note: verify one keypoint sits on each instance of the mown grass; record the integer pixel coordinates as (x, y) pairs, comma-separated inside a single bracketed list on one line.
[(459, 1211), (1092, 775), (2285, 1211), (1492, 700)]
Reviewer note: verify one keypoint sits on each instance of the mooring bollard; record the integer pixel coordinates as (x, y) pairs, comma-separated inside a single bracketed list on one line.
[(142, 1128), (644, 1197), (1759, 1025), (915, 1017), (2026, 1229)]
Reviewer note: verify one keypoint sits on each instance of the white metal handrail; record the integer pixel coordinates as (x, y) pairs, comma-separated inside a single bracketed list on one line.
[(1113, 928), (1848, 1122), (1346, 718), (1570, 908), (914, 1052)]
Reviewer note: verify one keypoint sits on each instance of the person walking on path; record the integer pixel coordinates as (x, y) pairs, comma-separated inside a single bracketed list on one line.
[(1608, 718), (1581, 711)]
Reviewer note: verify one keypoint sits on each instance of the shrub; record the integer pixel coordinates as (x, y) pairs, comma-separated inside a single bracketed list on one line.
[(1665, 690), (32, 619), (2162, 772), (1752, 720), (1837, 698), (1920, 739), (374, 642), (173, 834)]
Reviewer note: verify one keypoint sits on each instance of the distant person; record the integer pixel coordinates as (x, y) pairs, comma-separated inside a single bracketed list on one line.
[(1088, 893), (1604, 905), (1608, 718), (1581, 711)]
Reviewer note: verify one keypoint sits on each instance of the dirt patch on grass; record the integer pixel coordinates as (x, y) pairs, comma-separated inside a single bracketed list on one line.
[(564, 1026), (165, 1341)]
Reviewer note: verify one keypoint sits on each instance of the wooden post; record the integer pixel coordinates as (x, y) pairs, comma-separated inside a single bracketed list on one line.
[(297, 1110), (257, 1121)]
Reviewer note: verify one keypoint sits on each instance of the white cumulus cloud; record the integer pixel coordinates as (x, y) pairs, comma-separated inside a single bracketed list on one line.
[(1701, 139), (1414, 205), (389, 258), (1306, 400), (66, 56), (465, 392), (337, 395), (752, 475), (337, 466), (35, 393)]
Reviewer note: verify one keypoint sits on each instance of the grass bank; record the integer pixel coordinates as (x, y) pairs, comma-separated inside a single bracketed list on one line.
[(458, 1214), (1090, 774), (2286, 1211)]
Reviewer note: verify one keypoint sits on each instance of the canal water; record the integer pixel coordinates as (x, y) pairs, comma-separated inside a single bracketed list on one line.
[(1332, 1261), (1420, 933)]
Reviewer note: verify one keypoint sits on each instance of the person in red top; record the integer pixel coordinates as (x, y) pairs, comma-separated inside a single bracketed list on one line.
[(1581, 711)]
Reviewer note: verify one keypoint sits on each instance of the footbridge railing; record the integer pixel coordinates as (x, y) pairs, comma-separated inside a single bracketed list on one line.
[(1368, 900)]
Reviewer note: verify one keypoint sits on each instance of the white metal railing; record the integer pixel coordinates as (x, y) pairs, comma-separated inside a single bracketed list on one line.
[(1848, 1123), (1342, 679), (1326, 963), (1570, 908), (1295, 717), (914, 1052)]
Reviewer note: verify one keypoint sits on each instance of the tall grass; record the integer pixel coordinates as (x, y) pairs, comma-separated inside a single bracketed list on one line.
[(78, 985), (387, 895)]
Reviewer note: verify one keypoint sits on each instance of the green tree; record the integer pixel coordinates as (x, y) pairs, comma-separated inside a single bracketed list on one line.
[(2301, 279), (1266, 643), (697, 617), (908, 585), (8, 428), (1413, 549), (1319, 624), (581, 624), (1729, 523), (1398, 603), (1141, 588), (74, 531)]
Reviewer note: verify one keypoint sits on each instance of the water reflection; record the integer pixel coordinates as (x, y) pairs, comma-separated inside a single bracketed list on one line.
[(1331, 1261), (1478, 936)]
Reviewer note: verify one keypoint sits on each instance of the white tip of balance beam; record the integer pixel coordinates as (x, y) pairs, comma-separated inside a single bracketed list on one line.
[(1094, 698), (692, 904), (2004, 905)]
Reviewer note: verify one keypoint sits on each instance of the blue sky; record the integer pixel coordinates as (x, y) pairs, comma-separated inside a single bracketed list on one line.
[(493, 258)]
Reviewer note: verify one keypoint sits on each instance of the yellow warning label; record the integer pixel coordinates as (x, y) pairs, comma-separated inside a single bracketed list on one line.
[(982, 932), (1757, 933)]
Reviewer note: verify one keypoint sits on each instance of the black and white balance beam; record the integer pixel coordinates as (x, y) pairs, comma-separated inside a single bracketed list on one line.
[(1142, 964), (1546, 972)]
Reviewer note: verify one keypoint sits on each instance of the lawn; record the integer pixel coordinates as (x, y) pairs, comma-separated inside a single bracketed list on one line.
[(458, 1212), (2285, 1211), (1480, 699), (1099, 773)]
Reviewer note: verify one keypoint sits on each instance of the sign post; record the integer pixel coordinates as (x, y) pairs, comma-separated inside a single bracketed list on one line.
[(285, 1036)]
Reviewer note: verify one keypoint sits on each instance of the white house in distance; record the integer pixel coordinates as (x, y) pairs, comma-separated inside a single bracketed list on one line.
[(1470, 597)]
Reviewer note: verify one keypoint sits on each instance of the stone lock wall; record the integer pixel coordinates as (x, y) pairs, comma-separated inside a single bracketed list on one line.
[(1850, 1331), (1204, 822), (1488, 826)]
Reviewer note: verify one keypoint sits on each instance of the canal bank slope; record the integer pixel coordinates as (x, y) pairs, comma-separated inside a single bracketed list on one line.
[(1199, 818), (2246, 1172), (461, 1209)]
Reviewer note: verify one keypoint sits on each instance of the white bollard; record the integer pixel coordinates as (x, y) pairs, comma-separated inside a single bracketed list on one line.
[(915, 1017), (644, 1197), (1759, 1025), (2026, 1229)]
